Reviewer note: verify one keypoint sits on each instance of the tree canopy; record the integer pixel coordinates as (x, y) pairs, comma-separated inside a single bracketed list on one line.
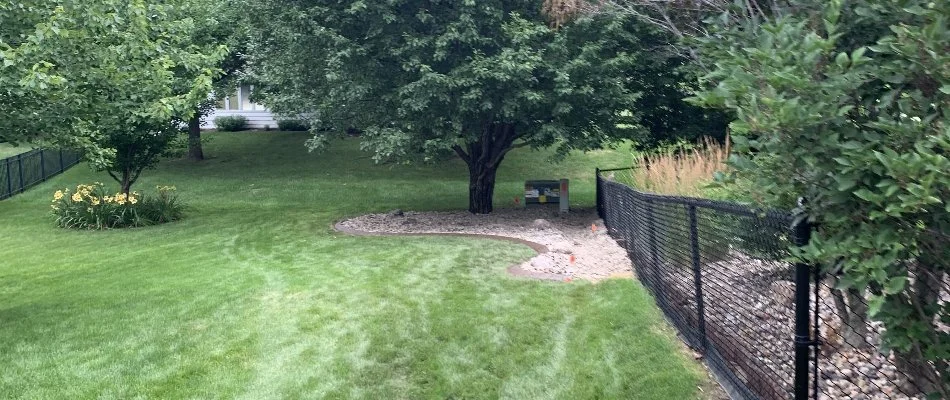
[(74, 72), (421, 78)]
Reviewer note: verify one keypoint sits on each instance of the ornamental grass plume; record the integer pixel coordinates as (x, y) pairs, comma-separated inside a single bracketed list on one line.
[(682, 170)]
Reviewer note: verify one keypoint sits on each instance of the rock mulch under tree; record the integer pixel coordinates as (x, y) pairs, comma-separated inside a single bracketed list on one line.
[(577, 245)]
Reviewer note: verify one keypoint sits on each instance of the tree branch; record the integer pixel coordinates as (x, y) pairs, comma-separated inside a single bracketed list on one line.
[(461, 153), (116, 178)]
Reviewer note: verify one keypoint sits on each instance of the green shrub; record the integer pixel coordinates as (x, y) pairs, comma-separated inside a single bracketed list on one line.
[(845, 105), (231, 123), (91, 207), (293, 125)]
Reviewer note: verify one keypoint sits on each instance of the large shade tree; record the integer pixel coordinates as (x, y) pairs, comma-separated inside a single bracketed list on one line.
[(216, 24), (478, 79), (114, 78)]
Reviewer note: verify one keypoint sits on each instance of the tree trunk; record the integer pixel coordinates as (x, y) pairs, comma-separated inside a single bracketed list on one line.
[(483, 157), (481, 188), (853, 316), (930, 377), (194, 138), (126, 182)]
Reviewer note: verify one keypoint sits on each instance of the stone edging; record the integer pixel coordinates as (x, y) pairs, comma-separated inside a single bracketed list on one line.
[(514, 270)]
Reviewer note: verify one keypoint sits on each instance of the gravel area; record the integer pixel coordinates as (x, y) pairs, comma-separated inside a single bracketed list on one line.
[(749, 315), (578, 246)]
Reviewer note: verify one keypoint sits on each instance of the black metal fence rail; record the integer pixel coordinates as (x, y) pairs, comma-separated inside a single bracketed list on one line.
[(711, 266), (23, 171), (768, 329)]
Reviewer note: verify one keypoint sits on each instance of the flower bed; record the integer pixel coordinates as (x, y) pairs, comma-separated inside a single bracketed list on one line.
[(92, 207)]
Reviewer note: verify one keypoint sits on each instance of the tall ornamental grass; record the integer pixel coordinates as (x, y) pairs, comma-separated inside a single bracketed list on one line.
[(682, 170)]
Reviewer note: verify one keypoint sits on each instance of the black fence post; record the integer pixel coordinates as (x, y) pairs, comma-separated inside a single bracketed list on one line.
[(19, 162), (801, 232), (9, 180), (62, 165), (697, 275), (599, 195), (42, 165)]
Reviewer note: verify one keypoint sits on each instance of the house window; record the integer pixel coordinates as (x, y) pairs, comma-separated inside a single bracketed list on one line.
[(246, 104), (234, 101), (240, 100)]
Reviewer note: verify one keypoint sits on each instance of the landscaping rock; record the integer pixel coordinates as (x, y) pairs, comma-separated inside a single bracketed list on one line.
[(595, 257), (783, 292), (396, 213), (543, 263), (541, 224)]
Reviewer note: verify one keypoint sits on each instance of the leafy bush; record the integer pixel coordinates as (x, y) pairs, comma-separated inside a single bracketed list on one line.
[(231, 123), (293, 125), (92, 207), (847, 108)]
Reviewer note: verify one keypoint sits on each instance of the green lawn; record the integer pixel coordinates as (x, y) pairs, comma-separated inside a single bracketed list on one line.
[(8, 150), (253, 296)]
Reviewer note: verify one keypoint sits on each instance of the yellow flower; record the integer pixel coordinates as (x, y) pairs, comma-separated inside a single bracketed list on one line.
[(94, 201), (120, 198), (77, 196), (58, 195), (107, 199), (133, 200)]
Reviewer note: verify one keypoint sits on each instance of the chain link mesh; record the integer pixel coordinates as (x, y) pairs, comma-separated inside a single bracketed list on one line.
[(23, 171), (716, 270)]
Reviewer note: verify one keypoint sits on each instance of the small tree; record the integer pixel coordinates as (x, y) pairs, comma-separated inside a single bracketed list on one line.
[(474, 78), (95, 75), (138, 148)]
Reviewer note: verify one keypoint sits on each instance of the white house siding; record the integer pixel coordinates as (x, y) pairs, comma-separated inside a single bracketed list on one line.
[(239, 103), (255, 119)]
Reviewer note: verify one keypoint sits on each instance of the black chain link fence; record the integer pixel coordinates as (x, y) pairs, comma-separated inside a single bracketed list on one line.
[(851, 363), (717, 270), (23, 171)]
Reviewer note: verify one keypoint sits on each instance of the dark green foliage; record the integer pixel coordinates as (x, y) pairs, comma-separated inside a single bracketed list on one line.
[(162, 207), (292, 125), (475, 78), (73, 73), (665, 116), (231, 123), (140, 147), (846, 105)]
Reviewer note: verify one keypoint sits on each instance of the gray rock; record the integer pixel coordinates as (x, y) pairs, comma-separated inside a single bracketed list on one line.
[(543, 263), (561, 249), (541, 224), (395, 213), (783, 292)]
